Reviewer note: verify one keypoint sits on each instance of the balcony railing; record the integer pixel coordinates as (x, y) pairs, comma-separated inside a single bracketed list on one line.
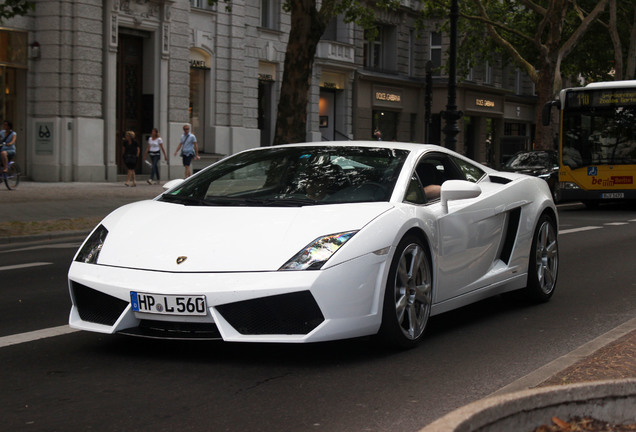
[(335, 51)]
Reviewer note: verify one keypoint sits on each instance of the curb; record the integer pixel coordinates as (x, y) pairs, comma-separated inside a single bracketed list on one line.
[(547, 371), (610, 401)]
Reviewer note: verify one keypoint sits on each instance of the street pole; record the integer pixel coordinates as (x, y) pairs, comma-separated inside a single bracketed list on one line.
[(451, 115)]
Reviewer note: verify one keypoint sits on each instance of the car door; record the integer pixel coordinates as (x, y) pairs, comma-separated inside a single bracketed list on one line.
[(469, 234)]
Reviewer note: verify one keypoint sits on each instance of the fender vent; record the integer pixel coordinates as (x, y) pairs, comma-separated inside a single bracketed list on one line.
[(511, 234)]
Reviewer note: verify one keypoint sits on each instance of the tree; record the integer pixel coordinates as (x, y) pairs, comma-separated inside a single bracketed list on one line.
[(537, 35), (308, 23), (11, 8)]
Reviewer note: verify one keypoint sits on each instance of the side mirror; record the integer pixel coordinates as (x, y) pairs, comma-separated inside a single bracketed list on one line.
[(546, 112), (172, 183), (458, 190)]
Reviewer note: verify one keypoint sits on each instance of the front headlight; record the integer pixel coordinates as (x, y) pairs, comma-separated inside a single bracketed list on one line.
[(568, 185), (316, 254), (92, 246)]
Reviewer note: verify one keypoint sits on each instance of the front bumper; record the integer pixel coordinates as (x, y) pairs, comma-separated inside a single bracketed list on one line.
[(283, 306)]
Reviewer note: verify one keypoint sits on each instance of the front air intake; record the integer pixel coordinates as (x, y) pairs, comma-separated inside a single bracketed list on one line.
[(97, 307), (294, 313)]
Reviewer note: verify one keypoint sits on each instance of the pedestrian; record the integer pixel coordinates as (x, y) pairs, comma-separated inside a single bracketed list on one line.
[(154, 150), (130, 152), (7, 144), (189, 149)]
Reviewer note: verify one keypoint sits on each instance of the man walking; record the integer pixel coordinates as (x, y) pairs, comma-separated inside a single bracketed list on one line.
[(189, 149)]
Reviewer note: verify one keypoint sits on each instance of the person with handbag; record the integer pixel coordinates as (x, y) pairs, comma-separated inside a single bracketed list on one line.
[(130, 153), (189, 149), (154, 150)]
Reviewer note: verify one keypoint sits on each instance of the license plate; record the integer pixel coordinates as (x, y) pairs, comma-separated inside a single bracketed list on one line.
[(166, 304), (613, 195)]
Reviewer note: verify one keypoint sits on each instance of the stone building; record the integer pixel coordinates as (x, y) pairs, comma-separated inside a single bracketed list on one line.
[(78, 74)]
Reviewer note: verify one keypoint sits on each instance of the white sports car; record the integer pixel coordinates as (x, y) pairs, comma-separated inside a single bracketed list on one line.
[(314, 242)]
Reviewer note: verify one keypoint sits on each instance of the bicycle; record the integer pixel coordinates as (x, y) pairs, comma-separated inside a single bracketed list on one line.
[(12, 176)]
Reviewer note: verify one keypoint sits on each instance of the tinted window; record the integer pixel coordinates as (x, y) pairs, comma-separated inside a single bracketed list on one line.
[(295, 176)]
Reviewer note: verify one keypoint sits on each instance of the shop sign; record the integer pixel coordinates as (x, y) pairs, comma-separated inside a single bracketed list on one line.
[(199, 59), (387, 97), (331, 80), (44, 138), (487, 103)]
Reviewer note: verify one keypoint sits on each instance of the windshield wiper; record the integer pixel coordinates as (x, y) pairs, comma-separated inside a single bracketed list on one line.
[(185, 200)]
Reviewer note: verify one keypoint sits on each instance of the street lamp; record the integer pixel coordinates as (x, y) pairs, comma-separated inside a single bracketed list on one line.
[(451, 115)]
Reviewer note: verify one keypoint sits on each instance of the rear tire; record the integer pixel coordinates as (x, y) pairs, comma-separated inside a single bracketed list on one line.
[(12, 177), (408, 295), (543, 266)]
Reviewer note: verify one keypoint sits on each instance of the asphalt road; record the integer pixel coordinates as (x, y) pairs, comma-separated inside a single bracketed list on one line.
[(83, 381)]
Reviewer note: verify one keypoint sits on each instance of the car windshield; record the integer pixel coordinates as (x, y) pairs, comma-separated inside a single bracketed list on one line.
[(531, 160), (294, 176)]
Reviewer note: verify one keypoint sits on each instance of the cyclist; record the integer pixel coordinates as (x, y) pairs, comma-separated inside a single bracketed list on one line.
[(7, 141)]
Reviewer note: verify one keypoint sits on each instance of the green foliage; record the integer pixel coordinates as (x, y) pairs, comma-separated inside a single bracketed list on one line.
[(11, 8)]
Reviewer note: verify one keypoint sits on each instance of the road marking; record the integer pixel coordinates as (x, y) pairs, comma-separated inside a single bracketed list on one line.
[(27, 265), (573, 230), (35, 335), (616, 223), (50, 246)]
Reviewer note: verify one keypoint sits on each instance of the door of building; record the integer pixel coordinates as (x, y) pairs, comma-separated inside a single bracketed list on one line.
[(129, 93)]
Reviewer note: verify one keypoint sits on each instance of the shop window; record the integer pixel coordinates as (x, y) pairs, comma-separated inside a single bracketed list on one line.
[(385, 125), (197, 103), (270, 14)]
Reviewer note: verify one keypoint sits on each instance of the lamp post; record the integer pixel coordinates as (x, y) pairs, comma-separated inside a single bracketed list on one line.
[(451, 115)]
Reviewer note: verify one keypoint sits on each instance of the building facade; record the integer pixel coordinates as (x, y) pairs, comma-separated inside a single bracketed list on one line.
[(78, 74)]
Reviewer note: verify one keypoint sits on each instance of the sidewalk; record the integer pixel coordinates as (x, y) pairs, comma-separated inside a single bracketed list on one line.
[(43, 210), (38, 211)]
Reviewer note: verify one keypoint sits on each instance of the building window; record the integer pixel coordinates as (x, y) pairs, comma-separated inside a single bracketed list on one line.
[(518, 86), (270, 14), (337, 30), (202, 4), (411, 59), (380, 54), (436, 53), (488, 73)]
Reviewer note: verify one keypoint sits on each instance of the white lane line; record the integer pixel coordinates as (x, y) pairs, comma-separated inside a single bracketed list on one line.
[(35, 335), (573, 230), (616, 223), (46, 246), (27, 265)]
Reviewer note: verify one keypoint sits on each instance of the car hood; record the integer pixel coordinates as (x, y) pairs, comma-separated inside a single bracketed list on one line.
[(152, 235)]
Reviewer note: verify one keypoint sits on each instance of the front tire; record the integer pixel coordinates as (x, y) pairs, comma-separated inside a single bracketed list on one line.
[(408, 295), (544, 261)]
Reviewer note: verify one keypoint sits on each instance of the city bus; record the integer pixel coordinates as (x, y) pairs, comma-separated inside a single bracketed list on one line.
[(596, 142)]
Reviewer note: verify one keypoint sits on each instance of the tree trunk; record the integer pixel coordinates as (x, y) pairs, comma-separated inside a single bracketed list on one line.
[(544, 135), (306, 31)]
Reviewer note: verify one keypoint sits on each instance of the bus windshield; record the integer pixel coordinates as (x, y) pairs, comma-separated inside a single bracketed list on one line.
[(594, 135)]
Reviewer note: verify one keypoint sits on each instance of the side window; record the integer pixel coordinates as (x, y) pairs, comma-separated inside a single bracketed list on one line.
[(432, 171), (469, 171), (415, 193)]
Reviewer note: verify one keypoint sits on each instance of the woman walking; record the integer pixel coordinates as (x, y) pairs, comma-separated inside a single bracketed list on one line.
[(130, 152), (154, 150)]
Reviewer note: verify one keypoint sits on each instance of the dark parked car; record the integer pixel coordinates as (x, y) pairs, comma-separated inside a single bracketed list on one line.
[(539, 163)]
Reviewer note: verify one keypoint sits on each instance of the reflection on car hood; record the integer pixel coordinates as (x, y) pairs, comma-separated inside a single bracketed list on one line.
[(152, 235), (533, 171)]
